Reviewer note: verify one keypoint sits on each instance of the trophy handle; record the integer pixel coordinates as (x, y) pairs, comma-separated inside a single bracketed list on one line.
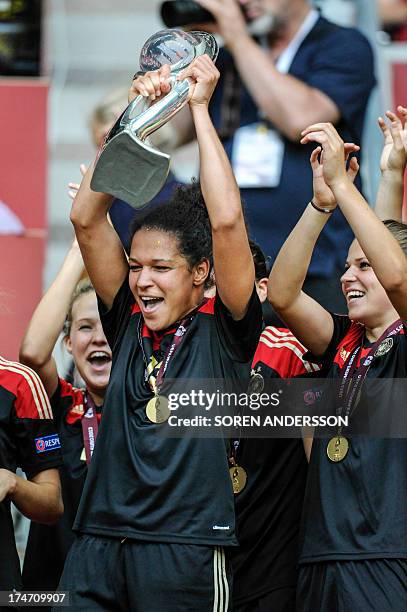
[(159, 113)]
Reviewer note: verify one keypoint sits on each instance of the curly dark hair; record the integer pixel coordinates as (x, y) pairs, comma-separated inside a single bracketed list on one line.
[(185, 217), (262, 264)]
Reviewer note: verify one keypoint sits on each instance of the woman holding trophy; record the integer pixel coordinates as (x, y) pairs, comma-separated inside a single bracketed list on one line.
[(158, 512)]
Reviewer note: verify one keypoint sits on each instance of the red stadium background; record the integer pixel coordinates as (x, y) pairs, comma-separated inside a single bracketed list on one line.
[(23, 163)]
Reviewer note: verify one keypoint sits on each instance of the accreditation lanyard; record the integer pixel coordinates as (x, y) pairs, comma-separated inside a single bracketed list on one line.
[(286, 58), (353, 375), (90, 427)]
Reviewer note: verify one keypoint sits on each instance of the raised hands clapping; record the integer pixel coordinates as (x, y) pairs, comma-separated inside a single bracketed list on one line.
[(328, 161)]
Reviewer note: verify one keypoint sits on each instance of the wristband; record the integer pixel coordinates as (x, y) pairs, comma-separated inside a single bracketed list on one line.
[(326, 211), (138, 74)]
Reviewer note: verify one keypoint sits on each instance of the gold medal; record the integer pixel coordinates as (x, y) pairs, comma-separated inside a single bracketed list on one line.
[(239, 478), (157, 409), (256, 384), (337, 448)]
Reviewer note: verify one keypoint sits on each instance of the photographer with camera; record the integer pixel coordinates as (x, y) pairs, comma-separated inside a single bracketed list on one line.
[(302, 70)]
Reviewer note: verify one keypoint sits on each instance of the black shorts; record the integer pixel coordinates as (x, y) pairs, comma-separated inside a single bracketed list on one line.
[(279, 600), (107, 574), (374, 585)]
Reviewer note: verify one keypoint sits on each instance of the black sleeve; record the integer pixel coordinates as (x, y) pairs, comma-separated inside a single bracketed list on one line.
[(56, 406), (342, 324), (240, 338), (38, 445), (65, 397), (115, 320)]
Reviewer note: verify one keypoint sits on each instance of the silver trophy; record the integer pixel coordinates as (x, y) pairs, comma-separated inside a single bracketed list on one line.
[(128, 167)]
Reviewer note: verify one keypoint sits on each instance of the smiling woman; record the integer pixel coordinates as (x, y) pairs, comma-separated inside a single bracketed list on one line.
[(353, 540), (161, 505), (85, 341), (71, 306), (171, 258)]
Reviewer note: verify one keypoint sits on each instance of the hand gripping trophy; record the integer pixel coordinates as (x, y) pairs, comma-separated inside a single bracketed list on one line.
[(128, 167)]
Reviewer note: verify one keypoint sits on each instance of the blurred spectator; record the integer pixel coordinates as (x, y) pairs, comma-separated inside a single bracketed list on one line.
[(393, 15), (303, 70), (105, 114), (9, 222)]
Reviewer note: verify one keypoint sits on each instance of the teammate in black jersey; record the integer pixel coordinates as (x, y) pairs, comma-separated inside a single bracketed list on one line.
[(71, 306), (28, 440), (157, 511), (268, 509), (353, 545)]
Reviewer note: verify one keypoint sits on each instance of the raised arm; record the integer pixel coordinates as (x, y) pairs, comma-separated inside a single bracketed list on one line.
[(288, 102), (380, 247), (48, 319), (389, 201), (102, 251), (233, 262), (307, 319)]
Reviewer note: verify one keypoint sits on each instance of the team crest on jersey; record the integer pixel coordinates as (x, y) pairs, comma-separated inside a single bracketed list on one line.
[(309, 397), (47, 443), (384, 347)]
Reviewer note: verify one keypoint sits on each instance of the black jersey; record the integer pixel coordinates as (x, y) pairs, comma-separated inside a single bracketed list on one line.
[(357, 508), (268, 510), (141, 484), (48, 545), (27, 440)]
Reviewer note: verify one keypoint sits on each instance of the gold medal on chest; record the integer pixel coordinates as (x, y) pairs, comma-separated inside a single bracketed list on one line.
[(256, 384), (239, 478), (157, 409), (337, 449)]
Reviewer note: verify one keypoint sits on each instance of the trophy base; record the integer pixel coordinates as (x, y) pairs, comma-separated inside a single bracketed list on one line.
[(130, 170)]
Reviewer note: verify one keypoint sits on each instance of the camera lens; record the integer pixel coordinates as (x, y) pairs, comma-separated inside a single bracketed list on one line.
[(178, 13)]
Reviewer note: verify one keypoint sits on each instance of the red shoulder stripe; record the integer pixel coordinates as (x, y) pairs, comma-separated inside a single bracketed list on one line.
[(31, 399), (279, 335), (282, 352)]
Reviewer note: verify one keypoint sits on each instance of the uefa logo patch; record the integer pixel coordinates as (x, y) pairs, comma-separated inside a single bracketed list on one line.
[(47, 443), (309, 397)]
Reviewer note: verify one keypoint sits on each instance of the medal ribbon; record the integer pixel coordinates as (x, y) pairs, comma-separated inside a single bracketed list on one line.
[(151, 373), (256, 379), (352, 375), (175, 344), (90, 427)]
